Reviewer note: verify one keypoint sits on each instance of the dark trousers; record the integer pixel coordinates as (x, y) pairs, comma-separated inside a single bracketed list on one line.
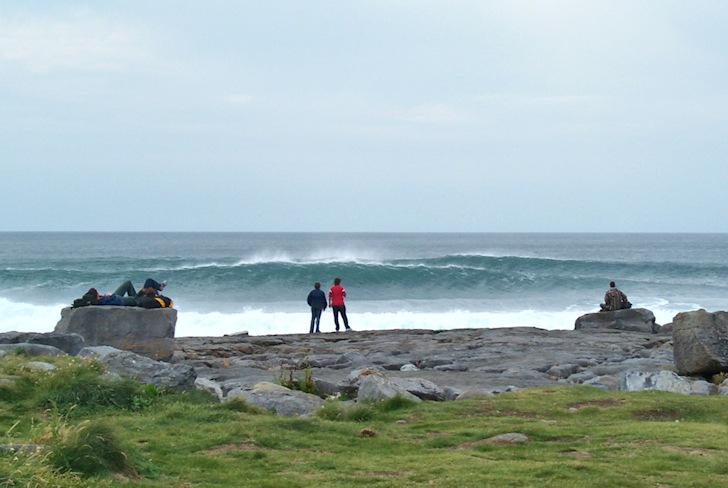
[(340, 310), (315, 319), (127, 288)]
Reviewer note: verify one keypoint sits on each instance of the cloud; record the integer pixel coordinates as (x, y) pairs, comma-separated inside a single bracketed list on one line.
[(78, 41)]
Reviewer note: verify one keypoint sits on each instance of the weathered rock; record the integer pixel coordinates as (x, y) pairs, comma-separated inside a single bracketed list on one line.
[(278, 399), (209, 386), (141, 368), (562, 370), (31, 349), (421, 388), (146, 332), (38, 366), (632, 319), (700, 342), (376, 388), (68, 343), (509, 438), (606, 382), (663, 381)]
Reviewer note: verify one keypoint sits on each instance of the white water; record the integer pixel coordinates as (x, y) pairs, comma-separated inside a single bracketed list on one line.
[(23, 317)]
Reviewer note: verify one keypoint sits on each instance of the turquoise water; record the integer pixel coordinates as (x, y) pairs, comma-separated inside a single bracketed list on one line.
[(228, 282)]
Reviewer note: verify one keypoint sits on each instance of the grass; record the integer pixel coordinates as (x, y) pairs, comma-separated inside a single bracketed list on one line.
[(577, 436)]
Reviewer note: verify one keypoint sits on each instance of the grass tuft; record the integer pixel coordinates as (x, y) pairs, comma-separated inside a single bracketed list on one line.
[(88, 448)]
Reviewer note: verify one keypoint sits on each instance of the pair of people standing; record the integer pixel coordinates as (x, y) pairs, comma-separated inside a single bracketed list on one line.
[(317, 301)]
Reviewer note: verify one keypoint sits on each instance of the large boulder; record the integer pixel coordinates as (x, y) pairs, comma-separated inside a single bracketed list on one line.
[(700, 342), (631, 319), (149, 332)]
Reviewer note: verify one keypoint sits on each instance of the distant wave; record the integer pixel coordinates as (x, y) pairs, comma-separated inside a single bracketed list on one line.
[(18, 316)]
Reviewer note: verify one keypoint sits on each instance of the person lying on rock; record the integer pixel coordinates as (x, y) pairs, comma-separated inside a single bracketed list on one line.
[(152, 299), (614, 299), (126, 295)]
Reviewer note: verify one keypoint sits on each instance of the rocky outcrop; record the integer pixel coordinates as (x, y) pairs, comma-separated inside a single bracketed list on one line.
[(68, 343), (30, 349), (631, 319), (430, 364), (146, 332), (700, 340), (141, 368)]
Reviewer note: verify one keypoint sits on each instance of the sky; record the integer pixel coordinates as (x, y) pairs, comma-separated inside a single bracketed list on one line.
[(364, 116)]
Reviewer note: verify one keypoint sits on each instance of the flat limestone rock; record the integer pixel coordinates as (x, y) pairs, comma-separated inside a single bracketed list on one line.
[(148, 332)]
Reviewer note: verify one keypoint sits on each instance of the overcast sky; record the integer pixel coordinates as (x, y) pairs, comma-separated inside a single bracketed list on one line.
[(472, 116)]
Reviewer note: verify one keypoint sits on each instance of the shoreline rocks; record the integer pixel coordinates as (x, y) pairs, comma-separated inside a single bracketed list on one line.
[(434, 365), (467, 362)]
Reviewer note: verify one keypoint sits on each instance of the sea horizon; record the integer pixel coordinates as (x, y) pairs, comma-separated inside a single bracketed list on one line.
[(257, 281)]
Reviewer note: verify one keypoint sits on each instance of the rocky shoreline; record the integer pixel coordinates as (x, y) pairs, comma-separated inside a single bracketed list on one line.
[(457, 360), (621, 350)]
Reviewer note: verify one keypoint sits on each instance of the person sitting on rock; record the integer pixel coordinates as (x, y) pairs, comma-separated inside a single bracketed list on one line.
[(614, 299)]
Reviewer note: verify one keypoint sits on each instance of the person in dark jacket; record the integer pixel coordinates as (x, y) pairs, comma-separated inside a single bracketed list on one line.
[(614, 299), (317, 301)]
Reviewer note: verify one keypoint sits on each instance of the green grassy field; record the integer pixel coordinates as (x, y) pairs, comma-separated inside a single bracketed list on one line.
[(99, 433)]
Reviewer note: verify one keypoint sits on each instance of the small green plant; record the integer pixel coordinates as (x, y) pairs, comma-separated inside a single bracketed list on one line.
[(359, 413), (306, 383), (397, 402), (240, 405), (331, 411)]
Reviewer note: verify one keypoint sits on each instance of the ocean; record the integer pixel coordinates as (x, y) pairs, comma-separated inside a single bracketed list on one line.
[(225, 283)]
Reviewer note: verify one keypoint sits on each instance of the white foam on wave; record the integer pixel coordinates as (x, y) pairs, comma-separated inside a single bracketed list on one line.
[(259, 322), (24, 317)]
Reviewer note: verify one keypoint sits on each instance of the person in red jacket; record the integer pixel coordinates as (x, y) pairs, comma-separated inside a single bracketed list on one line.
[(336, 302)]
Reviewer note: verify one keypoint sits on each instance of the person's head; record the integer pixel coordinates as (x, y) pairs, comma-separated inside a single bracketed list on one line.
[(337, 281), (612, 284), (92, 296), (317, 285)]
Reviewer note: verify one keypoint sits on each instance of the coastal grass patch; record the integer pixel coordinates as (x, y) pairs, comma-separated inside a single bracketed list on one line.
[(558, 436)]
